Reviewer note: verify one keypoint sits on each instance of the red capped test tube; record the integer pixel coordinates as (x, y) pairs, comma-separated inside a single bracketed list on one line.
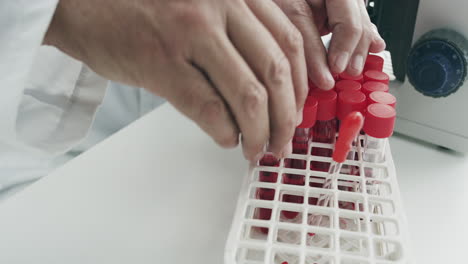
[(372, 86), (376, 76), (348, 102), (347, 85), (346, 76), (374, 62), (300, 146), (381, 98), (324, 130), (378, 126)]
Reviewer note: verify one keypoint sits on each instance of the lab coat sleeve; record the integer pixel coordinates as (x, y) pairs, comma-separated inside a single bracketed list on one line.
[(48, 100)]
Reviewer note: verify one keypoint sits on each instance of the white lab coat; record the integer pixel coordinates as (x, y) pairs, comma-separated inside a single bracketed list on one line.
[(52, 107)]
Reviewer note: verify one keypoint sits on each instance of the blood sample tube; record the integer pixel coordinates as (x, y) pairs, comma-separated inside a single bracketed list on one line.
[(372, 86), (300, 146), (347, 85), (374, 62), (264, 193), (324, 130), (381, 98), (378, 126), (348, 102), (376, 76), (345, 76)]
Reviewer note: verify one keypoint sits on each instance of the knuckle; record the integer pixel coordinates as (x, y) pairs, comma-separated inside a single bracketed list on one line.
[(298, 9), (293, 42), (188, 15), (279, 71), (354, 29), (254, 100)]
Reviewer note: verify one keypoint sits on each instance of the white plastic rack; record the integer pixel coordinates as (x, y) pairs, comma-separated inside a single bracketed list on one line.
[(364, 222)]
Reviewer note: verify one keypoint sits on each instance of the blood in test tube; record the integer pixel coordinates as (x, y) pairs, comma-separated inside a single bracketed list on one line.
[(300, 146), (376, 76), (346, 76), (372, 86), (374, 62), (268, 160), (324, 130), (381, 98), (378, 125), (347, 85)]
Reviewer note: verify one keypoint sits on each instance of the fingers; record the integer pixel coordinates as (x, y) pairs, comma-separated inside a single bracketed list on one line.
[(377, 42), (245, 96), (301, 16), (271, 66), (290, 41), (195, 97), (345, 22), (319, 12), (370, 42)]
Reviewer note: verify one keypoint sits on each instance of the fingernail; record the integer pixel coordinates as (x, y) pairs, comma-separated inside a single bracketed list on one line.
[(299, 117), (358, 63), (341, 61), (330, 80), (258, 156)]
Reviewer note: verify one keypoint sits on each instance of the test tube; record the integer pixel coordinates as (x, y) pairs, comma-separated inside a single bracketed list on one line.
[(381, 98), (376, 76), (347, 85), (373, 62), (345, 76), (324, 130), (300, 143), (373, 86), (264, 193), (378, 126), (348, 102)]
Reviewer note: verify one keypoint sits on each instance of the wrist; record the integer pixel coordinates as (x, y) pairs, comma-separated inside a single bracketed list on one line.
[(62, 33)]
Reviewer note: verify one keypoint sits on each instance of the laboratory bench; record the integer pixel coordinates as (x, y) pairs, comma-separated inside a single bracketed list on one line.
[(160, 191)]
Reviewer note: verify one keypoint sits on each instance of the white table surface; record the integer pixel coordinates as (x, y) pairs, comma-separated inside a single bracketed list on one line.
[(160, 191)]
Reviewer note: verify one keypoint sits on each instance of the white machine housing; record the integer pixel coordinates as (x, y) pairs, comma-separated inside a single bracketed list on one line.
[(442, 121)]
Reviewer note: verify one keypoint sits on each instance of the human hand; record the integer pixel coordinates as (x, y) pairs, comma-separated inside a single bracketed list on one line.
[(354, 36), (232, 66)]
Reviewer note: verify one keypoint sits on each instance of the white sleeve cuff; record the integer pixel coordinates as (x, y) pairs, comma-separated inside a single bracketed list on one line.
[(59, 103)]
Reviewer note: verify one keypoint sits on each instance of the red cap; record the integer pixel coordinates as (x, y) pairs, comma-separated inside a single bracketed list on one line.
[(326, 109), (373, 62), (350, 101), (349, 130), (376, 76), (382, 98), (347, 85), (380, 120), (309, 114), (369, 87), (346, 76)]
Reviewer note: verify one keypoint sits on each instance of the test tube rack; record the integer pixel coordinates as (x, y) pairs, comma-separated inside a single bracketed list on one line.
[(363, 224)]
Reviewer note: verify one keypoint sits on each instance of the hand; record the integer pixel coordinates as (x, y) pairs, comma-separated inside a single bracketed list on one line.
[(232, 66), (354, 36)]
